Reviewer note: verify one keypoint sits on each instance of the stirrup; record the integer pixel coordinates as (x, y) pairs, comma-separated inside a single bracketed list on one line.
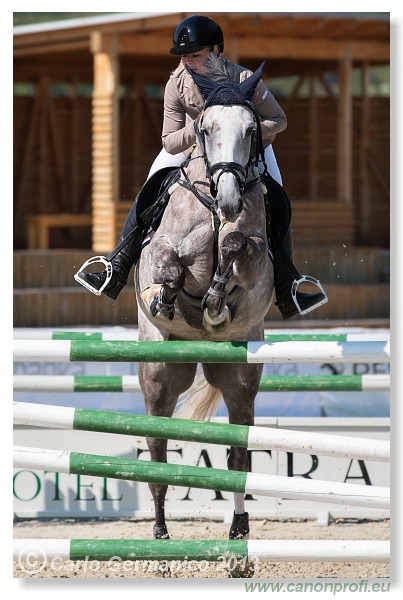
[(294, 288), (91, 261)]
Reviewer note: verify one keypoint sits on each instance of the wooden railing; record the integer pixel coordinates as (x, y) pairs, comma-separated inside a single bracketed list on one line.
[(38, 227), (323, 224)]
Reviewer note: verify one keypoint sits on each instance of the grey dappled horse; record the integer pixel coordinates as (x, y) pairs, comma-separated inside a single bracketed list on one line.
[(207, 275)]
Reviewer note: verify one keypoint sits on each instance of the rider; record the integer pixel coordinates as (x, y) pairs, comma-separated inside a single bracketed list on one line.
[(196, 40)]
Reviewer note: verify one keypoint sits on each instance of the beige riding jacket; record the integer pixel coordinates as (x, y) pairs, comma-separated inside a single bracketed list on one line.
[(183, 103)]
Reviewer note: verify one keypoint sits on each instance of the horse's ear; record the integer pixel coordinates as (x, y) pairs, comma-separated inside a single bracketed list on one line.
[(248, 86), (205, 85)]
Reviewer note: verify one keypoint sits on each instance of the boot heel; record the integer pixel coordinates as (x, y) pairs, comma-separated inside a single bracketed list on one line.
[(108, 270), (312, 280)]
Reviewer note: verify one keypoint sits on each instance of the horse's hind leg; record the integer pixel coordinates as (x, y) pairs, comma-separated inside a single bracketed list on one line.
[(239, 385), (161, 385)]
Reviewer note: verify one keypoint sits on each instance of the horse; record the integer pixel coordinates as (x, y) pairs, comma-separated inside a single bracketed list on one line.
[(206, 274)]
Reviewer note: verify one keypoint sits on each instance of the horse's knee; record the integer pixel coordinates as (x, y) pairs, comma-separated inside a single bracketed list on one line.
[(233, 245), (174, 277), (171, 274)]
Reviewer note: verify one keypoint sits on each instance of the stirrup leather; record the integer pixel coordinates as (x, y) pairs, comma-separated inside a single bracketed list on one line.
[(91, 261), (294, 288)]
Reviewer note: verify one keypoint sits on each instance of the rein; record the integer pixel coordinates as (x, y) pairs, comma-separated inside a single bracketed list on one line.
[(207, 202)]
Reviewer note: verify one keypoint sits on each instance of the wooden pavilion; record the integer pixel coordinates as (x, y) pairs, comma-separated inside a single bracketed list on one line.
[(88, 103)]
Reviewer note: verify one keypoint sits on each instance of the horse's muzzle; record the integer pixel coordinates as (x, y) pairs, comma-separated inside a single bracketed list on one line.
[(230, 211)]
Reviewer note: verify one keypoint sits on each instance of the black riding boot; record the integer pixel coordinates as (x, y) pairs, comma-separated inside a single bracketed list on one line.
[(285, 274), (145, 213), (121, 263)]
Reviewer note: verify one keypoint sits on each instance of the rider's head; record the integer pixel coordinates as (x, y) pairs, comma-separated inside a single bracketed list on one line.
[(194, 38)]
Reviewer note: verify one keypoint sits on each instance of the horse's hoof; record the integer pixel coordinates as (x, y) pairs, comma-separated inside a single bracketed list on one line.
[(149, 294), (242, 571), (151, 297), (239, 527), (158, 309), (162, 569), (217, 324), (160, 532), (240, 531)]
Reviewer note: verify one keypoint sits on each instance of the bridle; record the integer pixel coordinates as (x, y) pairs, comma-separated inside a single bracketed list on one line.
[(240, 172)]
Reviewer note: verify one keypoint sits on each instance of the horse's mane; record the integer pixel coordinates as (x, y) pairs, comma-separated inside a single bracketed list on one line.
[(218, 68)]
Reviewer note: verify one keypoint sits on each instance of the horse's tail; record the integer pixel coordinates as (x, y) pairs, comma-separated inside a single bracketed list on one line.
[(201, 403)]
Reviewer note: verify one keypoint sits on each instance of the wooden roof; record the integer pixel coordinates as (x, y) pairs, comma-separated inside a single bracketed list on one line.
[(254, 34)]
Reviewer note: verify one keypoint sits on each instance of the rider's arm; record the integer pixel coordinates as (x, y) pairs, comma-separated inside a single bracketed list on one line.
[(178, 133), (273, 119)]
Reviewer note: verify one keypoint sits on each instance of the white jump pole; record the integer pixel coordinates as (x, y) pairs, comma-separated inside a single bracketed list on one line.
[(201, 352), (276, 486), (45, 550), (253, 437)]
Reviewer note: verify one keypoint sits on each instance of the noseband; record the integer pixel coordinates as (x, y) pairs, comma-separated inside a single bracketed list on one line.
[(240, 173)]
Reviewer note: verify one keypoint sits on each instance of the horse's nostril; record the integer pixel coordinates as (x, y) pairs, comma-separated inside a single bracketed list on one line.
[(213, 189)]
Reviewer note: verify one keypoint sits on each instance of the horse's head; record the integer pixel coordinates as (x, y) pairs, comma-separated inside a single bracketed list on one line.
[(226, 130)]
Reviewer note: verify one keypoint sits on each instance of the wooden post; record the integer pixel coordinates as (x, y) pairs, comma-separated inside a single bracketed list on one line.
[(105, 141), (365, 198), (29, 144), (345, 130), (43, 145), (313, 140), (232, 51), (75, 147), (137, 134)]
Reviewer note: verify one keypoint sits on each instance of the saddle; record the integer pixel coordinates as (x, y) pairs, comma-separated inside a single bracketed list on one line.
[(153, 197), (150, 204)]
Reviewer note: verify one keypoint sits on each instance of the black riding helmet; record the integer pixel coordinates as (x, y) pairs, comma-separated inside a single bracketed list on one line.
[(196, 32)]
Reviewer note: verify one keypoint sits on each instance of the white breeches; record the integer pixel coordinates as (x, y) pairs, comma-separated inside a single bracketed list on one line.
[(166, 160), (175, 160), (272, 165)]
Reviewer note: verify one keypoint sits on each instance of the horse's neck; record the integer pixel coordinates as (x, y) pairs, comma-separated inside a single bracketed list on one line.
[(196, 169), (185, 209)]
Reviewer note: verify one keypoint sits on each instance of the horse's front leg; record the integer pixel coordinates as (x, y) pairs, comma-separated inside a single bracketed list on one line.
[(243, 257), (168, 275), (247, 255)]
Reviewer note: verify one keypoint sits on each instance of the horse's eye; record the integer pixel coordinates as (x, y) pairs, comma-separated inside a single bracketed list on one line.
[(250, 131)]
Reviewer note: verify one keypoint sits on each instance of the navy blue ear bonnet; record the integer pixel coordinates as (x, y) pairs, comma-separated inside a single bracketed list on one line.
[(226, 93)]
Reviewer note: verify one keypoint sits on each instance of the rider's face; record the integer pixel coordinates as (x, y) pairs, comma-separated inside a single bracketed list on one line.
[(196, 60)]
